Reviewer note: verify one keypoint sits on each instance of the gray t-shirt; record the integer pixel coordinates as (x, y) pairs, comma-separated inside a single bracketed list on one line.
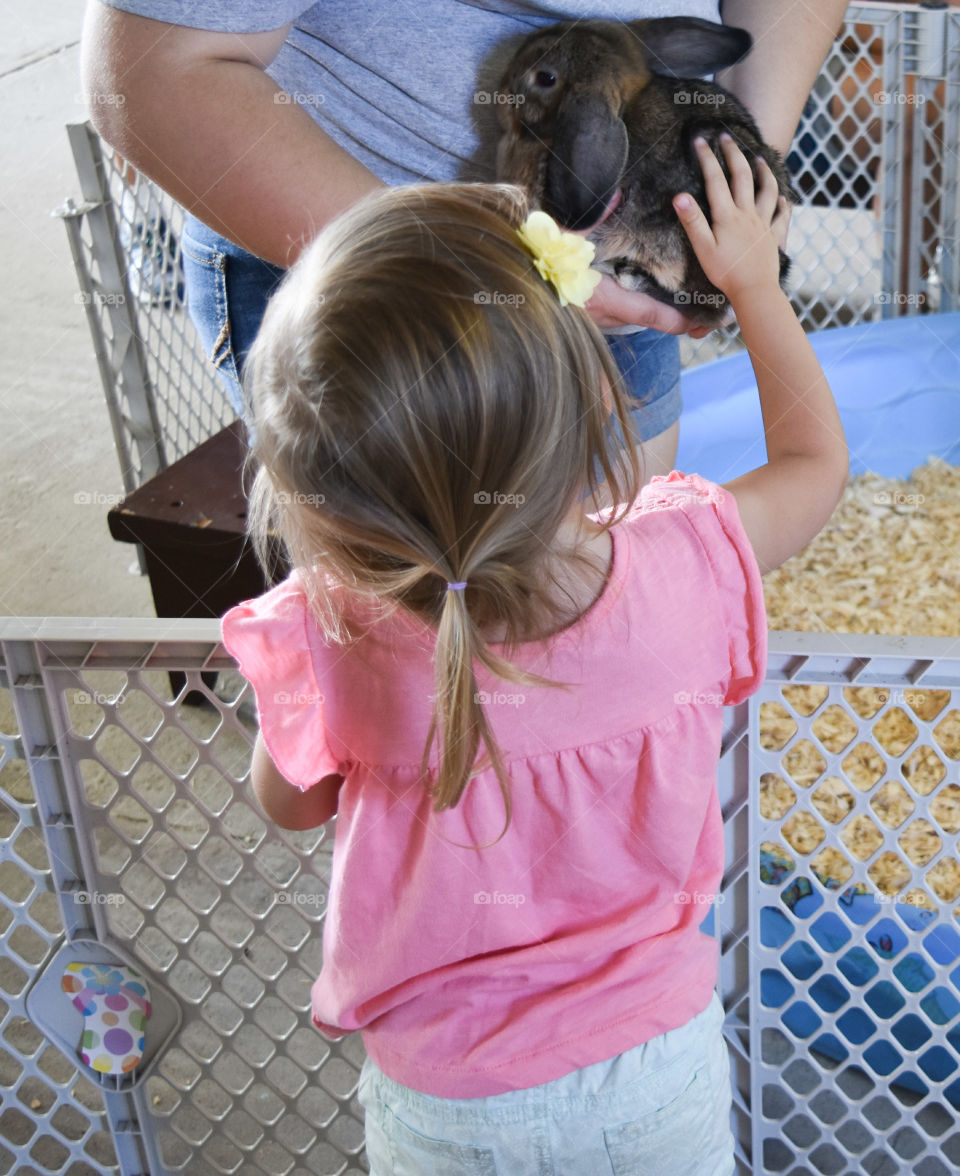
[(406, 88)]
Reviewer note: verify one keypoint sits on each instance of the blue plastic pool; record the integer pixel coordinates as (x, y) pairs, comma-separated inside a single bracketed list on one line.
[(897, 384)]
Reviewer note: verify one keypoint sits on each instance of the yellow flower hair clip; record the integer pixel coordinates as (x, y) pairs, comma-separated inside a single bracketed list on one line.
[(563, 259)]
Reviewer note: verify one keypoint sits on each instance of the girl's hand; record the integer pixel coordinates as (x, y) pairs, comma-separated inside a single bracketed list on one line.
[(739, 250)]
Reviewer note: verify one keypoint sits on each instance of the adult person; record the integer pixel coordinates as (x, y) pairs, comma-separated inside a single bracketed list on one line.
[(267, 118)]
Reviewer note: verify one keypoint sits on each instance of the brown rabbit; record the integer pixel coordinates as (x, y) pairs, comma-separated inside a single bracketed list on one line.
[(590, 107)]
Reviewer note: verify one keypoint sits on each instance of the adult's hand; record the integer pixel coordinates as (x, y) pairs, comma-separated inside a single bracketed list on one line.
[(613, 306), (196, 112)]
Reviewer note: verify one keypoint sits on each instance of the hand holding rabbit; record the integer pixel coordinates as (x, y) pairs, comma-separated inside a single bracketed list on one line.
[(614, 306)]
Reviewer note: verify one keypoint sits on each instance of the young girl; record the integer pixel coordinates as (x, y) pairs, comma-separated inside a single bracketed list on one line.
[(513, 706)]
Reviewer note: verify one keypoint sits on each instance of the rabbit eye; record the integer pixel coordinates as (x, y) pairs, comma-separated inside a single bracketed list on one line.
[(545, 79)]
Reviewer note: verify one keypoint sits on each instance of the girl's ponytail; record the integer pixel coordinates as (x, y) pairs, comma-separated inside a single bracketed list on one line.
[(460, 721), (459, 710)]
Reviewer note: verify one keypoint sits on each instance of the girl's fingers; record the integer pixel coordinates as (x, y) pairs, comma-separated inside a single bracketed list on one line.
[(768, 191), (780, 220), (691, 216), (741, 176), (715, 182)]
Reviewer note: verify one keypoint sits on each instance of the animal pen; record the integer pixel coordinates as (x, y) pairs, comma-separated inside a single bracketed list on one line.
[(131, 836)]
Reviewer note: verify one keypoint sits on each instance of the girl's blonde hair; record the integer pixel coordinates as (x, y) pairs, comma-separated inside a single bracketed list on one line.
[(426, 412)]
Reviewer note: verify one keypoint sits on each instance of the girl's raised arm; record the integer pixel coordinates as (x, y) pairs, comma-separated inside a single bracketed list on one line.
[(784, 503)]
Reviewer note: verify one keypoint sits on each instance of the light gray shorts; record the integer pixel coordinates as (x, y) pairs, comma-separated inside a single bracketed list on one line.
[(660, 1109)]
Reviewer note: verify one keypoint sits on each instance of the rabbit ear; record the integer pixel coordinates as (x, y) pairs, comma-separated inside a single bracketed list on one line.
[(586, 160), (686, 46)]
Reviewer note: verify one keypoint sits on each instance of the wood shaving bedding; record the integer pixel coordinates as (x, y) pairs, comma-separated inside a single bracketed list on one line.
[(888, 561)]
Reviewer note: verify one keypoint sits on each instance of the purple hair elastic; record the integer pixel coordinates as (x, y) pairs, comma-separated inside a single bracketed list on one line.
[(458, 587)]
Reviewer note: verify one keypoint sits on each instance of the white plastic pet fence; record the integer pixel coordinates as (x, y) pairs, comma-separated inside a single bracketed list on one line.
[(136, 838), (875, 160)]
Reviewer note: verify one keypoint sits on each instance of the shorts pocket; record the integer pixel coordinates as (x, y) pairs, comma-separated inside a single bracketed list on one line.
[(205, 270), (415, 1154), (668, 1140)]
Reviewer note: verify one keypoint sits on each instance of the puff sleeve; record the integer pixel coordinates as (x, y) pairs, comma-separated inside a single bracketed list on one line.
[(269, 637), (712, 513)]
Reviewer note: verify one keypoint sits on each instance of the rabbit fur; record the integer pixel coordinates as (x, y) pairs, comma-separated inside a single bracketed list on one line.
[(589, 107)]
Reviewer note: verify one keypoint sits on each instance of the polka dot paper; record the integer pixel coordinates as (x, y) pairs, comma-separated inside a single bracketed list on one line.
[(115, 1004)]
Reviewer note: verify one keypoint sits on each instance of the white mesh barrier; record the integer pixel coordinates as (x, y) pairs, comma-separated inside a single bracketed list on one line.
[(874, 236), (854, 884), (52, 1117), (837, 917), (156, 847)]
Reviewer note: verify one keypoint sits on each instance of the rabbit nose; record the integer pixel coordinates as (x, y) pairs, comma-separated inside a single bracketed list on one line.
[(586, 162)]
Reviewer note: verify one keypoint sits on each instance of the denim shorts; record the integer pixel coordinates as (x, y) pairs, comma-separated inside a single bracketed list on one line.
[(227, 293), (660, 1109)]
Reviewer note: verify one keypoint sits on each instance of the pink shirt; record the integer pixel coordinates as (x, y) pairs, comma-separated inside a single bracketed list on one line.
[(477, 971)]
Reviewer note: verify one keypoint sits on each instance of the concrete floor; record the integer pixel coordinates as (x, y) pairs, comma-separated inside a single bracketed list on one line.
[(56, 556)]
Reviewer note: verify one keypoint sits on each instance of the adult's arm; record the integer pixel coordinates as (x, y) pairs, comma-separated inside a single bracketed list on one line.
[(790, 43), (199, 117)]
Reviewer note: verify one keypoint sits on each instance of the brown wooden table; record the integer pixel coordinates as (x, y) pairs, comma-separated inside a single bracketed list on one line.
[(190, 522)]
